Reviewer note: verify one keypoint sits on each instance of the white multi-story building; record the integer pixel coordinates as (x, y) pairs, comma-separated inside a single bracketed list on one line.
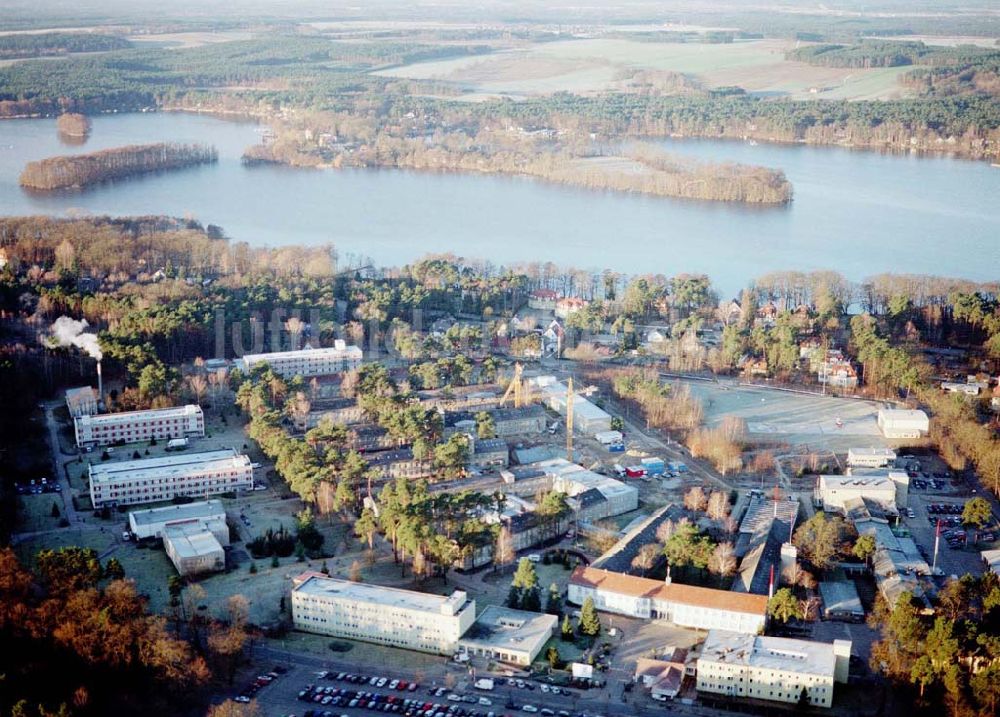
[(150, 523), (386, 616), (81, 401), (193, 548), (903, 423), (685, 605), (772, 668), (157, 479), (308, 362), (135, 426)]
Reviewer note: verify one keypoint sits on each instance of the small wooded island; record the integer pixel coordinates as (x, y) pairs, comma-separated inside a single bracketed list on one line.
[(73, 124), (81, 170)]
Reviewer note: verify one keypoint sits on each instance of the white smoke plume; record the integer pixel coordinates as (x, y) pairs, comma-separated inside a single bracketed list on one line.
[(70, 332)]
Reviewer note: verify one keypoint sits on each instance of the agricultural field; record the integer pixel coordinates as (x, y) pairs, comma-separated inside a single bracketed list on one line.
[(590, 66)]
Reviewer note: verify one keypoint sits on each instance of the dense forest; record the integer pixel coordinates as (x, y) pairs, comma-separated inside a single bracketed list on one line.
[(81, 170), (880, 53), (46, 44)]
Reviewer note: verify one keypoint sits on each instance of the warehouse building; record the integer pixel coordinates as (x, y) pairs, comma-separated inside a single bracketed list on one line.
[(385, 616), (308, 361), (158, 479), (81, 401), (135, 426), (903, 423), (587, 417), (514, 637), (772, 668), (684, 605), (150, 523), (193, 548)]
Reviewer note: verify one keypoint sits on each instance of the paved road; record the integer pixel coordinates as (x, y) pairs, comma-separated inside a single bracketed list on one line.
[(58, 465)]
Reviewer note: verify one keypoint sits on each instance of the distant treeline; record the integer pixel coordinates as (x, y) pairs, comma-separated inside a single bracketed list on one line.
[(58, 43), (83, 169), (877, 53)]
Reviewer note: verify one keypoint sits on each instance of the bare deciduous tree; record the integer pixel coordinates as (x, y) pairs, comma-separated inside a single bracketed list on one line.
[(695, 499)]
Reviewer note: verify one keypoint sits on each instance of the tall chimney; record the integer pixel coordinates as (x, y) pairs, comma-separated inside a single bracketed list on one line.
[(100, 384), (770, 585)]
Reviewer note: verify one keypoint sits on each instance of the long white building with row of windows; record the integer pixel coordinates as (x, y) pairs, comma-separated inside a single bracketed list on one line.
[(772, 668), (386, 616), (685, 605), (158, 479), (308, 361), (136, 426)]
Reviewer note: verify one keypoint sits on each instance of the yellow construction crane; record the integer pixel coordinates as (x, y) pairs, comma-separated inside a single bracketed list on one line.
[(514, 387)]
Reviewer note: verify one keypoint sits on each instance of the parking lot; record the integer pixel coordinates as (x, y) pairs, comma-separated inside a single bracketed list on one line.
[(307, 692), (936, 496)]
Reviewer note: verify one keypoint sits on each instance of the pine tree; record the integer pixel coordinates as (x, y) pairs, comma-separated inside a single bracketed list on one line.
[(531, 600), (590, 623), (525, 577), (514, 598), (113, 570), (566, 632), (553, 657), (553, 604)]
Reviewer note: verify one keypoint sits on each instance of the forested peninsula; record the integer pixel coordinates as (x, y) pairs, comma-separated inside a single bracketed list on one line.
[(82, 170)]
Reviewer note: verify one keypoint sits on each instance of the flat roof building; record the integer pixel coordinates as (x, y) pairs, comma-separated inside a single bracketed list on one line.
[(772, 668), (685, 605), (308, 361), (151, 522), (179, 474), (386, 616), (515, 637), (81, 401), (870, 457), (193, 548), (832, 491), (903, 423), (135, 426)]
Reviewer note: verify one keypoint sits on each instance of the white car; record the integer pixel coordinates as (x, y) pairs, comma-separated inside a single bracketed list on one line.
[(394, 684), (454, 698), (381, 682), (485, 702), (545, 688), (529, 708)]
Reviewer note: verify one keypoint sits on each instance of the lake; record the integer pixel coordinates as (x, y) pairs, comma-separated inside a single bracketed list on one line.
[(859, 213)]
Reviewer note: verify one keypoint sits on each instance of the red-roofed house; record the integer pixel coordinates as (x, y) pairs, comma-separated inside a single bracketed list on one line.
[(685, 605), (569, 305), (543, 299)]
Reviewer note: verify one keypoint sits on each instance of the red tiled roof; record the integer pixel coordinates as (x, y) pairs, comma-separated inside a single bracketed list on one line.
[(674, 592)]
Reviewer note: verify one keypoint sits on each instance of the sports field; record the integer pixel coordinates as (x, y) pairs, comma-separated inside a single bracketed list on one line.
[(826, 422), (585, 66)]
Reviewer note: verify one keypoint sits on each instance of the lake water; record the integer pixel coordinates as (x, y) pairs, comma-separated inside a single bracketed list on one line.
[(859, 213)]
